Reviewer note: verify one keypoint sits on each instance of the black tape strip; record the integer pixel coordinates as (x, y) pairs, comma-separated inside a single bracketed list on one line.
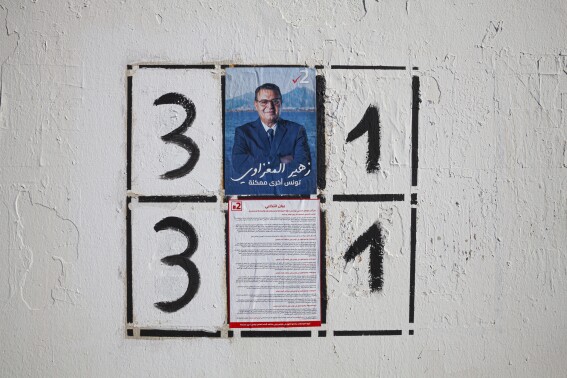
[(129, 133), (275, 333), (179, 66), (129, 67), (413, 237), (414, 198), (319, 67), (387, 68), (324, 299), (368, 197), (223, 113), (415, 68), (177, 333), (230, 333), (321, 86), (388, 332), (263, 65), (322, 333), (129, 302), (177, 199), (411, 331), (414, 128), (130, 332), (271, 197), (290, 196), (226, 257)]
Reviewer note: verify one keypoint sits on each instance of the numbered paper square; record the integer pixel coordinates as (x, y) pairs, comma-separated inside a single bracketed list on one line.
[(161, 231), (176, 132), (368, 127), (364, 293)]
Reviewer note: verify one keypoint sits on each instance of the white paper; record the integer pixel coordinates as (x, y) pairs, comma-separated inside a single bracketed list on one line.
[(151, 156), (274, 263), (355, 306), (153, 281), (351, 92)]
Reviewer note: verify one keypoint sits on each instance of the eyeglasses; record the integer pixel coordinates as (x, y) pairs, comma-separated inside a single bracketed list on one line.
[(275, 102)]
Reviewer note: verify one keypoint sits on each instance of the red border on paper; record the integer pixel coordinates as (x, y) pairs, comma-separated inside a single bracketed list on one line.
[(278, 324), (310, 323)]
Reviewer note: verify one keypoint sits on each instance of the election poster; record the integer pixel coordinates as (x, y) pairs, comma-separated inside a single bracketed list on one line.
[(270, 131), (274, 263)]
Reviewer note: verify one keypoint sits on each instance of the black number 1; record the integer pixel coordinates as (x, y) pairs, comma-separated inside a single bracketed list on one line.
[(177, 137), (182, 260), (373, 238), (370, 123)]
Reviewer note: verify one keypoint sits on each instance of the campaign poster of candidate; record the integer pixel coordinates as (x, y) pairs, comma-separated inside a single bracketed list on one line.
[(270, 131), (274, 260)]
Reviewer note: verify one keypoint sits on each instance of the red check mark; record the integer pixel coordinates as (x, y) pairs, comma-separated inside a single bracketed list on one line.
[(295, 81)]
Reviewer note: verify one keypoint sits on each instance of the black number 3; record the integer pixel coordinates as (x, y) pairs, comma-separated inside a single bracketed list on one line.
[(182, 260), (177, 137)]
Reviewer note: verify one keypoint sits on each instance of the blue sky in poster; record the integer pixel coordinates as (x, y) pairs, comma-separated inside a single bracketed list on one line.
[(297, 85)]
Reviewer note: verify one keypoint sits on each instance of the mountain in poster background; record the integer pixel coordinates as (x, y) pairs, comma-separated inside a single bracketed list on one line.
[(299, 98)]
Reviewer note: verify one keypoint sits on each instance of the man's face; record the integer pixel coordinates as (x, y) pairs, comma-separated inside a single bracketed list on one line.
[(268, 105)]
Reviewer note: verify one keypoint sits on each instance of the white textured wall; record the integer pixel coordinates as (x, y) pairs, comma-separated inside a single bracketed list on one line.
[(491, 275)]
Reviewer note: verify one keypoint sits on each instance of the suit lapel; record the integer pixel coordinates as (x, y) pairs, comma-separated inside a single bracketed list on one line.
[(262, 136), (280, 133)]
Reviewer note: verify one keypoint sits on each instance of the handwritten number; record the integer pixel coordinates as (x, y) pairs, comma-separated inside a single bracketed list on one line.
[(182, 260), (373, 238), (177, 137), (304, 80), (370, 123)]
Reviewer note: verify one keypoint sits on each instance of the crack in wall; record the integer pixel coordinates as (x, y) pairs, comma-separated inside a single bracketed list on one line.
[(300, 14), (492, 32), (10, 38), (46, 278)]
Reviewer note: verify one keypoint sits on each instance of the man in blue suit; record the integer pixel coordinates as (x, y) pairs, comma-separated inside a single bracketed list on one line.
[(270, 143)]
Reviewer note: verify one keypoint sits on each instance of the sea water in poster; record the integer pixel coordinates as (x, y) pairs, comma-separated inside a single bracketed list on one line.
[(270, 131)]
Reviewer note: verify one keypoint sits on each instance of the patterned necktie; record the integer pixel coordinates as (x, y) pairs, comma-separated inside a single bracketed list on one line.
[(270, 135)]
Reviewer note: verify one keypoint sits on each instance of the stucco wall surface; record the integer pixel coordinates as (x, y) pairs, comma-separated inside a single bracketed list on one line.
[(491, 278)]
